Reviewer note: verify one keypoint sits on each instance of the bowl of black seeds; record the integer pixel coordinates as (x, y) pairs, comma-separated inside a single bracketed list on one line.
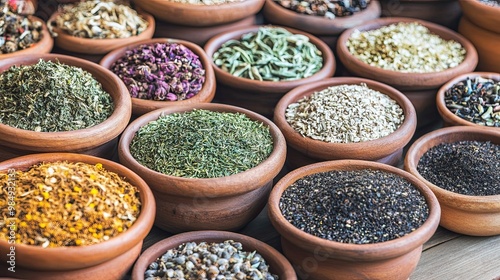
[(461, 165), (212, 255), (353, 219)]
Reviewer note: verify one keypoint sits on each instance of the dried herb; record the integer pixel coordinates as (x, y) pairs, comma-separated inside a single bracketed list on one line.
[(161, 72), (476, 100), (100, 20), (270, 54), (202, 144), (325, 8), (51, 97), (345, 114), (359, 206), (17, 32), (69, 204), (464, 167)]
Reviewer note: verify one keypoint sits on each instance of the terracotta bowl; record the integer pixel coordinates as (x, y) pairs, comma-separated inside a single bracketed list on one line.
[(482, 15), (261, 96), (305, 150), (449, 118), (87, 46), (142, 106), (317, 258), (278, 264), (485, 43), (114, 257), (43, 46), (465, 214), (224, 203), (200, 15), (99, 140)]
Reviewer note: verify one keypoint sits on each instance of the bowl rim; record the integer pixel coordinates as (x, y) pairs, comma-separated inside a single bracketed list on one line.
[(327, 70), (445, 113), (109, 248), (140, 106), (348, 251), (66, 140), (476, 10), (268, 253), (414, 81), (246, 181), (318, 25), (452, 199), (384, 145)]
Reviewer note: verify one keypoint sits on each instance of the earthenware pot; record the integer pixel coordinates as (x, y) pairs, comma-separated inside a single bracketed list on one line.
[(305, 150), (109, 259), (224, 203), (43, 46), (261, 96), (318, 258), (465, 214), (482, 15), (142, 106), (485, 42), (421, 87), (451, 119), (278, 264), (200, 15), (99, 140)]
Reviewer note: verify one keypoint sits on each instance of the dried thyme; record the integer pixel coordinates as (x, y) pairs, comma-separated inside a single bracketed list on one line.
[(51, 97), (202, 144), (68, 204), (17, 32)]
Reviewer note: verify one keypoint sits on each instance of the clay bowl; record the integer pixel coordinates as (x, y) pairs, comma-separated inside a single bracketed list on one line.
[(482, 15), (43, 46), (99, 140), (278, 264), (261, 96), (224, 203), (449, 118), (484, 42), (200, 15), (305, 150), (142, 106), (97, 47), (317, 258), (106, 260), (465, 214)]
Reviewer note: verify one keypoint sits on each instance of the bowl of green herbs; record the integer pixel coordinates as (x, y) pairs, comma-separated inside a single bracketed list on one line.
[(210, 166)]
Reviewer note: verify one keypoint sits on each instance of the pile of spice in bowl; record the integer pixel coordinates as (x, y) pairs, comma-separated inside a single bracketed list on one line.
[(159, 71), (362, 218), (345, 118), (461, 164), (209, 165), (70, 207), (255, 66)]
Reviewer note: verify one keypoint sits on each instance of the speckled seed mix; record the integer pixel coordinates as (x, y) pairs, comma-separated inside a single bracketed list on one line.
[(360, 207), (226, 260), (206, 2), (345, 114), (325, 8), (492, 3), (464, 167), (405, 47)]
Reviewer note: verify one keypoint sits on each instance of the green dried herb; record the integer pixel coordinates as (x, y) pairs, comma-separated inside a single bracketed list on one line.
[(51, 97), (202, 144)]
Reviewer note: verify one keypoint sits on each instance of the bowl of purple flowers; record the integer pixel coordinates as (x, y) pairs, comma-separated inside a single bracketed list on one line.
[(163, 72)]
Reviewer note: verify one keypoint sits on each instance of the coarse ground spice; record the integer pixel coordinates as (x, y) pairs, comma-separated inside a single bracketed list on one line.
[(225, 260), (464, 167), (405, 47), (202, 144), (325, 8), (359, 206), (345, 114), (68, 204)]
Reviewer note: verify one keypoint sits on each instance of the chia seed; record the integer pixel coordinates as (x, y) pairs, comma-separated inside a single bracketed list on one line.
[(464, 167), (360, 207)]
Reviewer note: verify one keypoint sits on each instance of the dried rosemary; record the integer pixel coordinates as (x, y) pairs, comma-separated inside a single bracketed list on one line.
[(51, 97), (68, 204)]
